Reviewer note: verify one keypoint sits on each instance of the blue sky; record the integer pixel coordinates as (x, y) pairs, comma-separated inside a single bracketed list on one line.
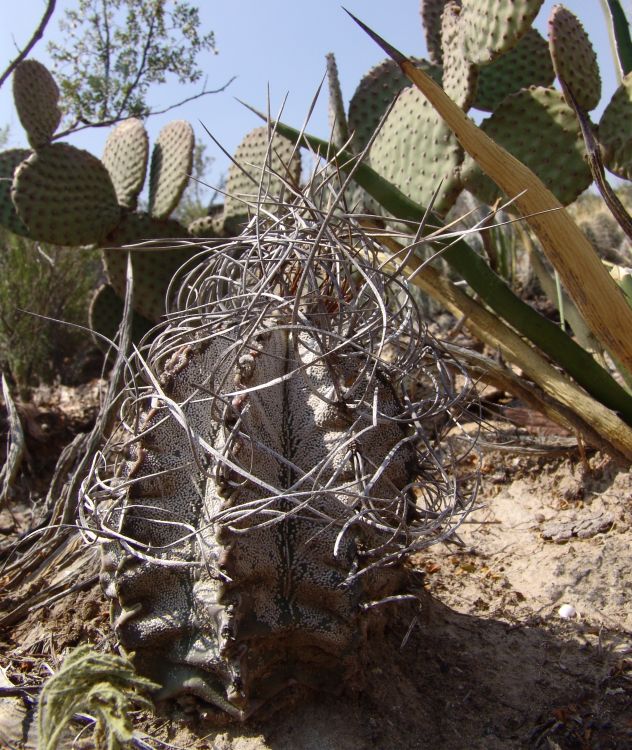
[(280, 43)]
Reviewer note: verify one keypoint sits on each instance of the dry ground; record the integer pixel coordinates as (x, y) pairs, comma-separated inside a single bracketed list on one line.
[(489, 664)]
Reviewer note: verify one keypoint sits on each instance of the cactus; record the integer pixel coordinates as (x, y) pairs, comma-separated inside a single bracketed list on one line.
[(415, 150), (207, 226), (125, 158), (605, 235), (459, 74), (526, 64), (153, 271), (239, 426), (494, 60), (258, 160), (374, 94), (9, 161), (105, 315), (64, 196), (548, 140), (615, 130), (493, 27), (338, 126), (171, 163), (36, 98), (153, 267), (574, 58), (431, 12)]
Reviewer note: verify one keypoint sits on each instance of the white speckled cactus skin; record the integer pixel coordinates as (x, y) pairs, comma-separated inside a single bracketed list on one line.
[(274, 473)]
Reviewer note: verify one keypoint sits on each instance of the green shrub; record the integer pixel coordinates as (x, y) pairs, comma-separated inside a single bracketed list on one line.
[(49, 281)]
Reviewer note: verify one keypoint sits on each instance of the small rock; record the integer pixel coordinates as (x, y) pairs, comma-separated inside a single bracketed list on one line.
[(567, 611), (582, 528), (7, 524)]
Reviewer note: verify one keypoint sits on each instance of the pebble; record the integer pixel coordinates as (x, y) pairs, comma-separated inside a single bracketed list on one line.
[(566, 611)]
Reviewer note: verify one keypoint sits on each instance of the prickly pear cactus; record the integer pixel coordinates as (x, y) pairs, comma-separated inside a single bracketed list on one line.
[(125, 158), (275, 472), (548, 141), (415, 150), (374, 94), (105, 315), (36, 98), (64, 196), (526, 64), (615, 130), (338, 126), (459, 74), (574, 58), (154, 262), (264, 167), (207, 226), (171, 162), (431, 12), (9, 162), (491, 58), (605, 235), (493, 27)]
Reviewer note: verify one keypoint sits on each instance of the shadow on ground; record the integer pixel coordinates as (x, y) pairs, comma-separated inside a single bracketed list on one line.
[(462, 682)]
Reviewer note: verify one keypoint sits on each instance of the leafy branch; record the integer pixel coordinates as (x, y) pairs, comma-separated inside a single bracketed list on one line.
[(115, 50), (37, 35)]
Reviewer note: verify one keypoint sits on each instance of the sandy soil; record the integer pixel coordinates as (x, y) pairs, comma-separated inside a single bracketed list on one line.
[(489, 663)]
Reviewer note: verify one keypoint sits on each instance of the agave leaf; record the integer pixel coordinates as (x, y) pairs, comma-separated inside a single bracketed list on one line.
[(489, 286), (594, 417), (587, 281), (620, 30)]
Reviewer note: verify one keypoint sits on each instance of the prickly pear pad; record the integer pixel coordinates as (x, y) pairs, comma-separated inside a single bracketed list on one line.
[(65, 196), (493, 27), (374, 94), (125, 157), (36, 99), (574, 58), (416, 151), (526, 64), (9, 162), (539, 128), (171, 162), (459, 74), (615, 130)]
